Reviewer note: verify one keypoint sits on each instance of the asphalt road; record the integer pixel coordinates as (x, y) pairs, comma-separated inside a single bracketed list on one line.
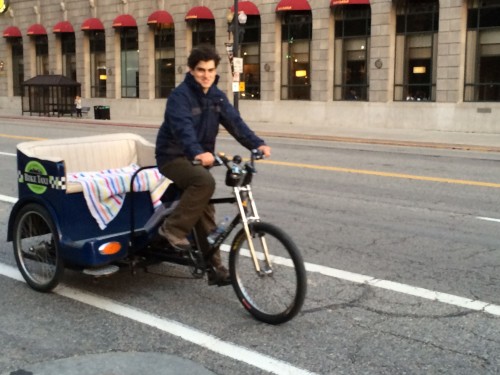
[(402, 251)]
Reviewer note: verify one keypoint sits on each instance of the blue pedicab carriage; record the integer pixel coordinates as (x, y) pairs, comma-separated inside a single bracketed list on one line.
[(64, 219)]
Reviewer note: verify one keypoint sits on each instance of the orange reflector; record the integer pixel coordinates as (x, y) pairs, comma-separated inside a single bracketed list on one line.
[(110, 248)]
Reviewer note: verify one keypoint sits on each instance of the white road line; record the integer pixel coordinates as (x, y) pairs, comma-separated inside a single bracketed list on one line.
[(7, 154), (357, 278), (6, 198), (449, 299), (488, 219), (172, 327)]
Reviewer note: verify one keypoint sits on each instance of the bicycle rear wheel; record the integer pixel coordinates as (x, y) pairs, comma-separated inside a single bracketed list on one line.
[(36, 248), (276, 293)]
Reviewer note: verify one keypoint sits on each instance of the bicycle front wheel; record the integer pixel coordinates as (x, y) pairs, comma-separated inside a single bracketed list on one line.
[(275, 293)]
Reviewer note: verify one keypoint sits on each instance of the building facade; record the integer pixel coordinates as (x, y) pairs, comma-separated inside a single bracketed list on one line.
[(421, 64)]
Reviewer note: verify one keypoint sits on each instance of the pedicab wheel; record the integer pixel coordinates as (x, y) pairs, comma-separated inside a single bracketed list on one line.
[(36, 248), (276, 293)]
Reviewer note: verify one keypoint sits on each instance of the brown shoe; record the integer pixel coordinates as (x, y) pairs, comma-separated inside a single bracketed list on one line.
[(174, 242), (218, 274)]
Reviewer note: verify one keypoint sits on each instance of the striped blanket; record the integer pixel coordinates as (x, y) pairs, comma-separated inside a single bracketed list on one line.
[(104, 191)]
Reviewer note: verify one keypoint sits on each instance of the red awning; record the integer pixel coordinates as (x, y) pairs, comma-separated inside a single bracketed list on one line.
[(36, 29), (124, 20), (199, 13), (287, 5), (92, 24), (349, 2), (12, 32), (63, 27), (160, 17), (248, 7)]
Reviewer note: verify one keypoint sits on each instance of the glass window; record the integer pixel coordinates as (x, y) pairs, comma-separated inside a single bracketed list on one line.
[(416, 50), (203, 32), (249, 39), (129, 62), (98, 70), (164, 60), (296, 35), (42, 54), (352, 43), (482, 76), (17, 64), (68, 55)]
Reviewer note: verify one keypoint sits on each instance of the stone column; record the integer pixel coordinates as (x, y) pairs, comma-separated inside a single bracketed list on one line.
[(381, 66), (321, 60), (451, 51)]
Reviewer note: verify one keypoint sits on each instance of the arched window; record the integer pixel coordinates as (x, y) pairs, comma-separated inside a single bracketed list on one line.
[(64, 30), (250, 52), (98, 71), (352, 43), (164, 36), (97, 49), (42, 54), (417, 25), (17, 64), (482, 73), (202, 24), (14, 39), (68, 55), (129, 45), (203, 32), (296, 35)]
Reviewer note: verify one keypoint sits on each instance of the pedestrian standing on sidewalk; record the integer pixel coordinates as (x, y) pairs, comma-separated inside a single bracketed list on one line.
[(78, 106), (189, 131)]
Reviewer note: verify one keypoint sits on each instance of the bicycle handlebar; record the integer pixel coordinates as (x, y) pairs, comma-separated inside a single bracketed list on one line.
[(222, 159)]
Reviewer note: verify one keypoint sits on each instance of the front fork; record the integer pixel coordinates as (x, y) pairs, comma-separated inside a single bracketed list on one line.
[(249, 214)]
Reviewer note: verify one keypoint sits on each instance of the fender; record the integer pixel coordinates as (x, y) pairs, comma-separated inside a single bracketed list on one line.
[(23, 202)]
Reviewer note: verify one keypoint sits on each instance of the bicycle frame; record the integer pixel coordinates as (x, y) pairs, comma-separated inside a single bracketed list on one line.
[(247, 214)]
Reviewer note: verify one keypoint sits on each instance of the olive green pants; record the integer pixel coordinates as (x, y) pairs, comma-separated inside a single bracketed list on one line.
[(198, 186)]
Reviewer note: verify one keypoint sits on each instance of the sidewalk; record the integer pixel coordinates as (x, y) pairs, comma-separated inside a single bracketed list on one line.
[(484, 142)]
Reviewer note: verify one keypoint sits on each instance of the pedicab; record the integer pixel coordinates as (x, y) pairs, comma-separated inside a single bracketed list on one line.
[(94, 204)]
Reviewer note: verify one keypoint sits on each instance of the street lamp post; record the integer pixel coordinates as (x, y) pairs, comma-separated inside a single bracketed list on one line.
[(234, 19), (236, 33)]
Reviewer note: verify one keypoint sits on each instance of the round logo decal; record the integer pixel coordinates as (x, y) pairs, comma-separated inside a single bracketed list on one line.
[(36, 177), (4, 5)]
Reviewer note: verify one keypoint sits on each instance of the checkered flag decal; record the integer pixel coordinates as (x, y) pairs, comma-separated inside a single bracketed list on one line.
[(58, 183)]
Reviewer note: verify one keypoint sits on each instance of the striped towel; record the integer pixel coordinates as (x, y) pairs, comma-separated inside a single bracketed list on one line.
[(104, 191)]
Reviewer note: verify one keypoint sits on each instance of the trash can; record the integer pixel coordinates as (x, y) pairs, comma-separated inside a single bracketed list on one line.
[(105, 112), (97, 112)]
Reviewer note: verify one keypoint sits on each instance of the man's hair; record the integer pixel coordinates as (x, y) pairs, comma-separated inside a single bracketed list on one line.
[(203, 52)]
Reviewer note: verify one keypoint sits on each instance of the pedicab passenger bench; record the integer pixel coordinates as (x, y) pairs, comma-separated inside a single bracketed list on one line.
[(84, 184)]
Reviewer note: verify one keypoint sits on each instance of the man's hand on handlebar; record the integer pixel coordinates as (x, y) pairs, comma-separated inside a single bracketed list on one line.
[(266, 150), (206, 159)]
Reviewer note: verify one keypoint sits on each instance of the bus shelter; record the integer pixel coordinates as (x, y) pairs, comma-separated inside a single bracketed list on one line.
[(49, 95)]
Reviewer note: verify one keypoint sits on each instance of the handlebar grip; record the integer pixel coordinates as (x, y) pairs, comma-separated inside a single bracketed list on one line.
[(257, 154)]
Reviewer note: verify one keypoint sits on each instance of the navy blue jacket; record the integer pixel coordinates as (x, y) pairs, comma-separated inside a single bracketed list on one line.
[(191, 122)]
